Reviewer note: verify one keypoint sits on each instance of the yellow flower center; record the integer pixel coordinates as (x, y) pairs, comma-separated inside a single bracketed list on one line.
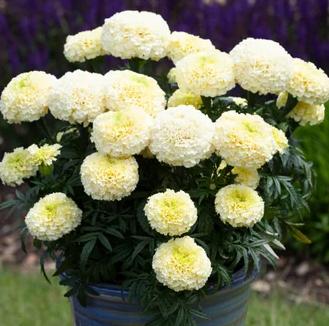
[(122, 126), (171, 208), (250, 127), (240, 199), (24, 82), (183, 257), (50, 210), (17, 161), (205, 60)]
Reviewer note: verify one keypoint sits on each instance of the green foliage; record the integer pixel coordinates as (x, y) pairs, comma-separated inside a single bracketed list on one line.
[(115, 243), (314, 142)]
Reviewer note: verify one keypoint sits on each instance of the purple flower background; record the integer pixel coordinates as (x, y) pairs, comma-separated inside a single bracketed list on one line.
[(33, 31)]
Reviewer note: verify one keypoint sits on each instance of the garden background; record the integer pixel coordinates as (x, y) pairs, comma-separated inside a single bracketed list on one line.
[(32, 35)]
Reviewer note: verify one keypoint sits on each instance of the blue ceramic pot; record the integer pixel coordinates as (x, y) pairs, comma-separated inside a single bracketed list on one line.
[(226, 307)]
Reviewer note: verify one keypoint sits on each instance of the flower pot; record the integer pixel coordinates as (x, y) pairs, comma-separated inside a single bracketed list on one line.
[(226, 307)]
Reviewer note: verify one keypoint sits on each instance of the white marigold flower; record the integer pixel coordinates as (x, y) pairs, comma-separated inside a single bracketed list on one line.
[(127, 89), (84, 46), (246, 177), (171, 213), (122, 133), (52, 217), (308, 83), (25, 98), (45, 154), (78, 97), (181, 264), (205, 73), (182, 136), (107, 178), (182, 44), (16, 166), (239, 206), (136, 34), (171, 76), (244, 139), (180, 97), (305, 113), (280, 139), (261, 66)]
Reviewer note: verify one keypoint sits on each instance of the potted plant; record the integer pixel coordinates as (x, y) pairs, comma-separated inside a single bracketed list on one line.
[(157, 197)]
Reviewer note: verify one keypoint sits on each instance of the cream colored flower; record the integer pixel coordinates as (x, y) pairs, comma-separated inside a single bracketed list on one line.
[(180, 264), (84, 46), (244, 140), (25, 98), (304, 114), (280, 140), (205, 73), (52, 217), (106, 178), (78, 97), (261, 66), (308, 83), (16, 166), (246, 177), (45, 154), (122, 133), (171, 213), (181, 44), (182, 136), (136, 34), (127, 89), (239, 206), (180, 97)]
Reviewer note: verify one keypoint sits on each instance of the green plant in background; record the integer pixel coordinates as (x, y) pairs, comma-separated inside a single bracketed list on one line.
[(315, 142)]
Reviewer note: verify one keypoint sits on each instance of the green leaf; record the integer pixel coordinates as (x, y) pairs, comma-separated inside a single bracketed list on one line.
[(42, 266), (140, 246), (86, 251), (8, 204), (105, 242), (300, 236), (180, 317), (87, 237), (142, 220), (114, 232), (198, 314)]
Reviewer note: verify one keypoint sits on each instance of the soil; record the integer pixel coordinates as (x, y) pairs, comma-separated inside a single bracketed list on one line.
[(302, 280)]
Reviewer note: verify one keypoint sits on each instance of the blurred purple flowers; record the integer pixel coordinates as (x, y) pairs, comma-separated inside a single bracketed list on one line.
[(33, 32)]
